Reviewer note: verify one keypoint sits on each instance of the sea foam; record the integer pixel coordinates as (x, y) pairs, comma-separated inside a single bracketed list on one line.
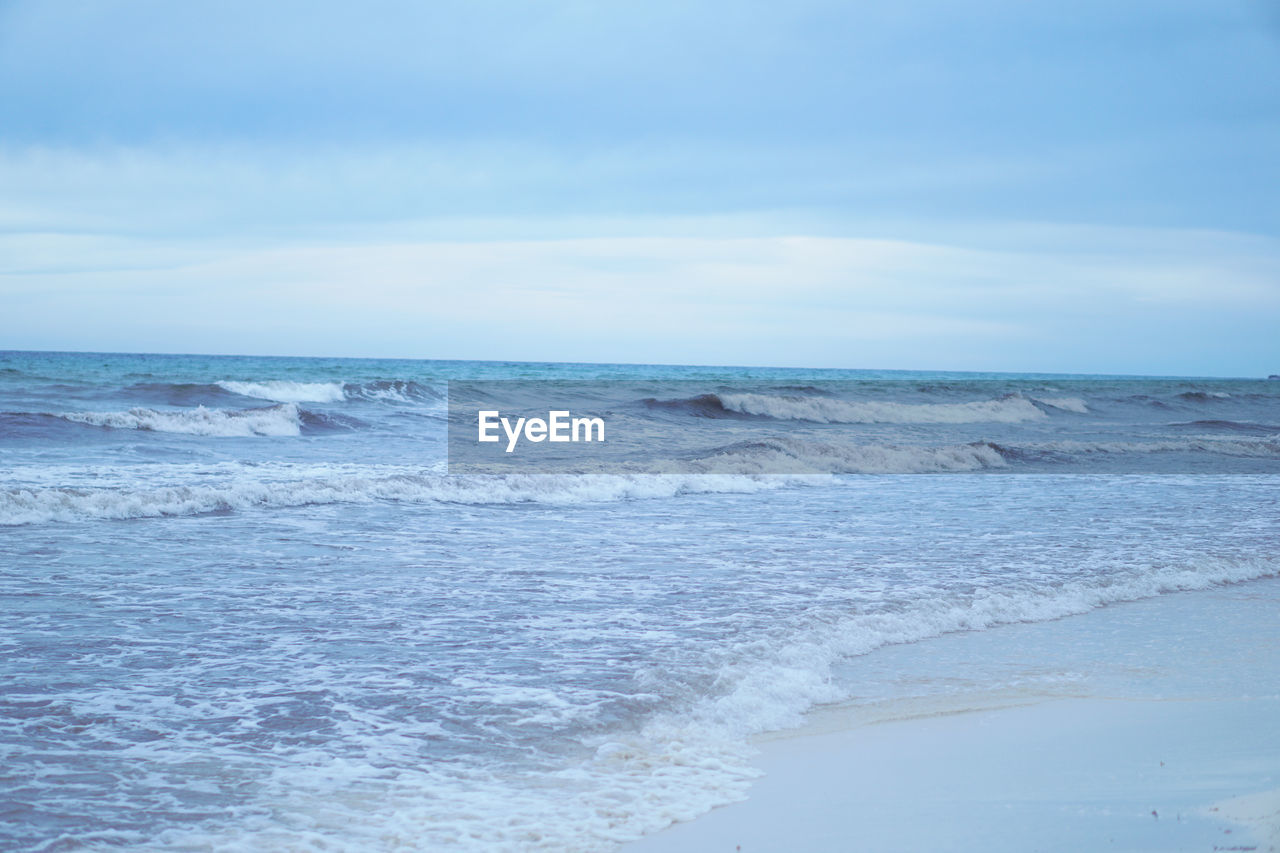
[(680, 763), (1009, 409), (283, 391), (283, 419), (744, 468)]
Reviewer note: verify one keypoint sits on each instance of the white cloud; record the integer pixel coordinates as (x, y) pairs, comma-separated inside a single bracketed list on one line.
[(784, 300)]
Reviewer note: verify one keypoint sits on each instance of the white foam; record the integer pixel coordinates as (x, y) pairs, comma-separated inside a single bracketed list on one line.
[(803, 667), (676, 766), (283, 391), (394, 391), (35, 506), (755, 466), (271, 420), (388, 393), (1010, 409), (761, 465)]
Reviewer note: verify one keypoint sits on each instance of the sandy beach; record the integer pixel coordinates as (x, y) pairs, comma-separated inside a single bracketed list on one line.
[(1168, 741)]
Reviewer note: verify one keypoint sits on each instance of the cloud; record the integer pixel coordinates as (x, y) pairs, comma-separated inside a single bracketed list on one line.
[(777, 300), (205, 119), (1002, 185)]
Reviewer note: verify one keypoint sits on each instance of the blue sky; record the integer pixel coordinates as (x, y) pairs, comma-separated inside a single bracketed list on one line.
[(998, 185)]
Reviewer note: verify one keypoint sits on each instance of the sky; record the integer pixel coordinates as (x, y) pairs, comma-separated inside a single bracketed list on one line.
[(1084, 187)]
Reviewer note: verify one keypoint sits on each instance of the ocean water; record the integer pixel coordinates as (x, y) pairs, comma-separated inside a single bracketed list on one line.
[(247, 605)]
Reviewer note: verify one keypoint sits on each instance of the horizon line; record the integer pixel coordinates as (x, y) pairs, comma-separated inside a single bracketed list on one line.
[(1055, 373)]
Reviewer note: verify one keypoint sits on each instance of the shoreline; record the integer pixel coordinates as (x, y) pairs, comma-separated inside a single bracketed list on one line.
[(1183, 756)]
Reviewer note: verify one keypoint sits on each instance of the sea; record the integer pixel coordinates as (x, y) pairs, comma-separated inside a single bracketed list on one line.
[(249, 604)]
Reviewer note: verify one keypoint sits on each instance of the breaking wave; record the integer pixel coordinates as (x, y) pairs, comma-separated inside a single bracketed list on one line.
[(385, 390), (788, 456), (699, 752), (34, 506), (283, 419), (392, 390), (1011, 408), (1067, 404), (740, 468), (287, 392), (743, 467)]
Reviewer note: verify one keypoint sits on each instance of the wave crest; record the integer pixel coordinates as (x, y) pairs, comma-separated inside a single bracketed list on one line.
[(392, 390), (282, 391), (742, 468), (1011, 408), (40, 505), (283, 419), (789, 456), (1066, 404)]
